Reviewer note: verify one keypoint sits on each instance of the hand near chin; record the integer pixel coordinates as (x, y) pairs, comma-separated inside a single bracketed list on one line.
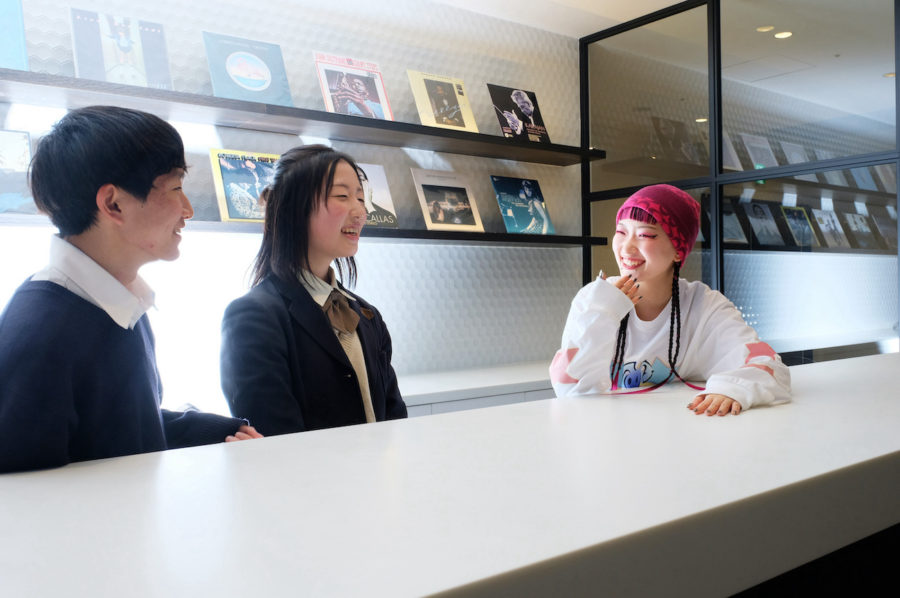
[(628, 285), (714, 405)]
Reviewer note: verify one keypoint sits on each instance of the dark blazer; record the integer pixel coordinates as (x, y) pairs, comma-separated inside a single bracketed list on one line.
[(284, 369)]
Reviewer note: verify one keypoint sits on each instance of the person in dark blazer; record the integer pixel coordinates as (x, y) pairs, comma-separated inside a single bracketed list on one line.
[(299, 351)]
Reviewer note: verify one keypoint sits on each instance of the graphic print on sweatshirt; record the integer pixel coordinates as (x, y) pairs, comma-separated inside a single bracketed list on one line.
[(633, 375)]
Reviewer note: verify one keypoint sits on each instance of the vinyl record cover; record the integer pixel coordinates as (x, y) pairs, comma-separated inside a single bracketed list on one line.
[(243, 69), (380, 210), (675, 140), (887, 228), (120, 50), (863, 178), (351, 86), (13, 51), (15, 155), (446, 200), (888, 175), (522, 206), (442, 101), (732, 231), (796, 154), (763, 223), (239, 178), (760, 151), (861, 231), (833, 177), (801, 228), (518, 113), (831, 229)]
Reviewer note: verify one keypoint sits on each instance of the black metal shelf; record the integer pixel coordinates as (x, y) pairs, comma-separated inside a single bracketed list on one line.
[(68, 92)]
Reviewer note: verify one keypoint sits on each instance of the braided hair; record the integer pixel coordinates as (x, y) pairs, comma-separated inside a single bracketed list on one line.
[(674, 319)]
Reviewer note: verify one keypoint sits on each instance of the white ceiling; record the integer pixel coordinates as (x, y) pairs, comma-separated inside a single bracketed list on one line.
[(837, 56)]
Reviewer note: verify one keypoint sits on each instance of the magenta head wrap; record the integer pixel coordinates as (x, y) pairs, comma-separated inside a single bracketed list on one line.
[(676, 212)]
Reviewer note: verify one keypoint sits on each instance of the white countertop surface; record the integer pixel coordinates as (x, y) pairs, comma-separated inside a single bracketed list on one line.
[(630, 495)]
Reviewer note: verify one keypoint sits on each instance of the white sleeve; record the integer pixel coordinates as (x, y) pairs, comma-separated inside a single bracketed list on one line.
[(582, 364), (740, 366)]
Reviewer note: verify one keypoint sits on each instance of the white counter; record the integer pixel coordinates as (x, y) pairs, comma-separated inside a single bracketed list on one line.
[(626, 496)]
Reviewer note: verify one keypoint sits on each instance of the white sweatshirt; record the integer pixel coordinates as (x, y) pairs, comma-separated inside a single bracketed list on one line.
[(716, 346)]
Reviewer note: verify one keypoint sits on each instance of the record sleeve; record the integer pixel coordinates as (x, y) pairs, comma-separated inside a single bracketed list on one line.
[(765, 229), (522, 206), (15, 155), (830, 228), (442, 101), (675, 140), (863, 178), (888, 175), (120, 49), (887, 228), (351, 86), (446, 200), (800, 226), (732, 231), (380, 212), (796, 154), (518, 113), (13, 51), (861, 232), (833, 177), (239, 178), (244, 69), (759, 150)]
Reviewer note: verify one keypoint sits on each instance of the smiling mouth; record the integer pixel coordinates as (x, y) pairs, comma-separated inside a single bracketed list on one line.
[(630, 264), (353, 232)]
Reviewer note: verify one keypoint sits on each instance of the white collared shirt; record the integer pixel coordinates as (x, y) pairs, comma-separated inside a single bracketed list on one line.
[(75, 271), (320, 290)]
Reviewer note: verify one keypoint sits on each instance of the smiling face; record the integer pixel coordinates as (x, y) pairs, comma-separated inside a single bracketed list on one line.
[(643, 250), (336, 223), (152, 228)]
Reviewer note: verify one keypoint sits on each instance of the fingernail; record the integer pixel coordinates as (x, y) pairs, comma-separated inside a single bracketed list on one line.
[(601, 275)]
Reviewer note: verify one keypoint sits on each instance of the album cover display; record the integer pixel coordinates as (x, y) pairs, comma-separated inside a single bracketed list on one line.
[(518, 113), (351, 86), (244, 69), (446, 200), (442, 101), (239, 177), (830, 228), (380, 210), (765, 229), (801, 228), (522, 205), (120, 49)]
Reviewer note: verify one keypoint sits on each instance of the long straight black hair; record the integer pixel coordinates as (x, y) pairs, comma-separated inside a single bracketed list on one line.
[(303, 179), (674, 319)]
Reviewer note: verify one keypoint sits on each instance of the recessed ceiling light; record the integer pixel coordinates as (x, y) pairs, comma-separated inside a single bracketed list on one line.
[(701, 120), (783, 34), (889, 75), (765, 28)]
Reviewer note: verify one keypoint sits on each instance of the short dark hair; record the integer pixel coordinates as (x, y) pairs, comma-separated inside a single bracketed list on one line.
[(94, 146), (302, 181)]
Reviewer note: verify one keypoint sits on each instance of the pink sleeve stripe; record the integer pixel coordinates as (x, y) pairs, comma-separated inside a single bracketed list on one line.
[(561, 361), (762, 367), (759, 349)]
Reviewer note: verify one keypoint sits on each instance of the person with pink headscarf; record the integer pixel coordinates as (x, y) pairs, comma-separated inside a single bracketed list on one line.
[(638, 331)]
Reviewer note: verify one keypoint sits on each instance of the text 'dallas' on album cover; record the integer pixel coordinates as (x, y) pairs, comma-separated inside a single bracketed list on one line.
[(351, 86), (239, 177), (380, 210), (442, 101), (120, 49), (446, 200), (518, 113)]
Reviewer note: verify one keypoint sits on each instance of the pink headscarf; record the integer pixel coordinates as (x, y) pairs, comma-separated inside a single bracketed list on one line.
[(676, 212)]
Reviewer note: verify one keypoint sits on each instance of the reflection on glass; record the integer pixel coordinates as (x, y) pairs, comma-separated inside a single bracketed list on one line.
[(649, 103), (803, 214), (820, 93)]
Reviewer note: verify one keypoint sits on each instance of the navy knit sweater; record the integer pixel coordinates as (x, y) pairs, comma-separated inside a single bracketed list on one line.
[(75, 386)]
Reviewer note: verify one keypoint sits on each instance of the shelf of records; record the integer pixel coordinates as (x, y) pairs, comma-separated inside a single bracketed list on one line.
[(840, 227), (448, 205), (681, 151), (125, 61)]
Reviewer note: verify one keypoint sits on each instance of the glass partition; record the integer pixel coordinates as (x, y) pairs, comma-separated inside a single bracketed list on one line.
[(649, 103), (806, 80)]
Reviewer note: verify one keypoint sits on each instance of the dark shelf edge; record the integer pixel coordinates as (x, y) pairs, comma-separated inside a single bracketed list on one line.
[(71, 92)]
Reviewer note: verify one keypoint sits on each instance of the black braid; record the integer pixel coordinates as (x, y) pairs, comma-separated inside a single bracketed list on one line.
[(620, 350), (675, 321)]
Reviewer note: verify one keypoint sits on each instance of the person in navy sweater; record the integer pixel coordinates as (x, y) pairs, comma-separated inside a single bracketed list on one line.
[(299, 351), (78, 376)]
